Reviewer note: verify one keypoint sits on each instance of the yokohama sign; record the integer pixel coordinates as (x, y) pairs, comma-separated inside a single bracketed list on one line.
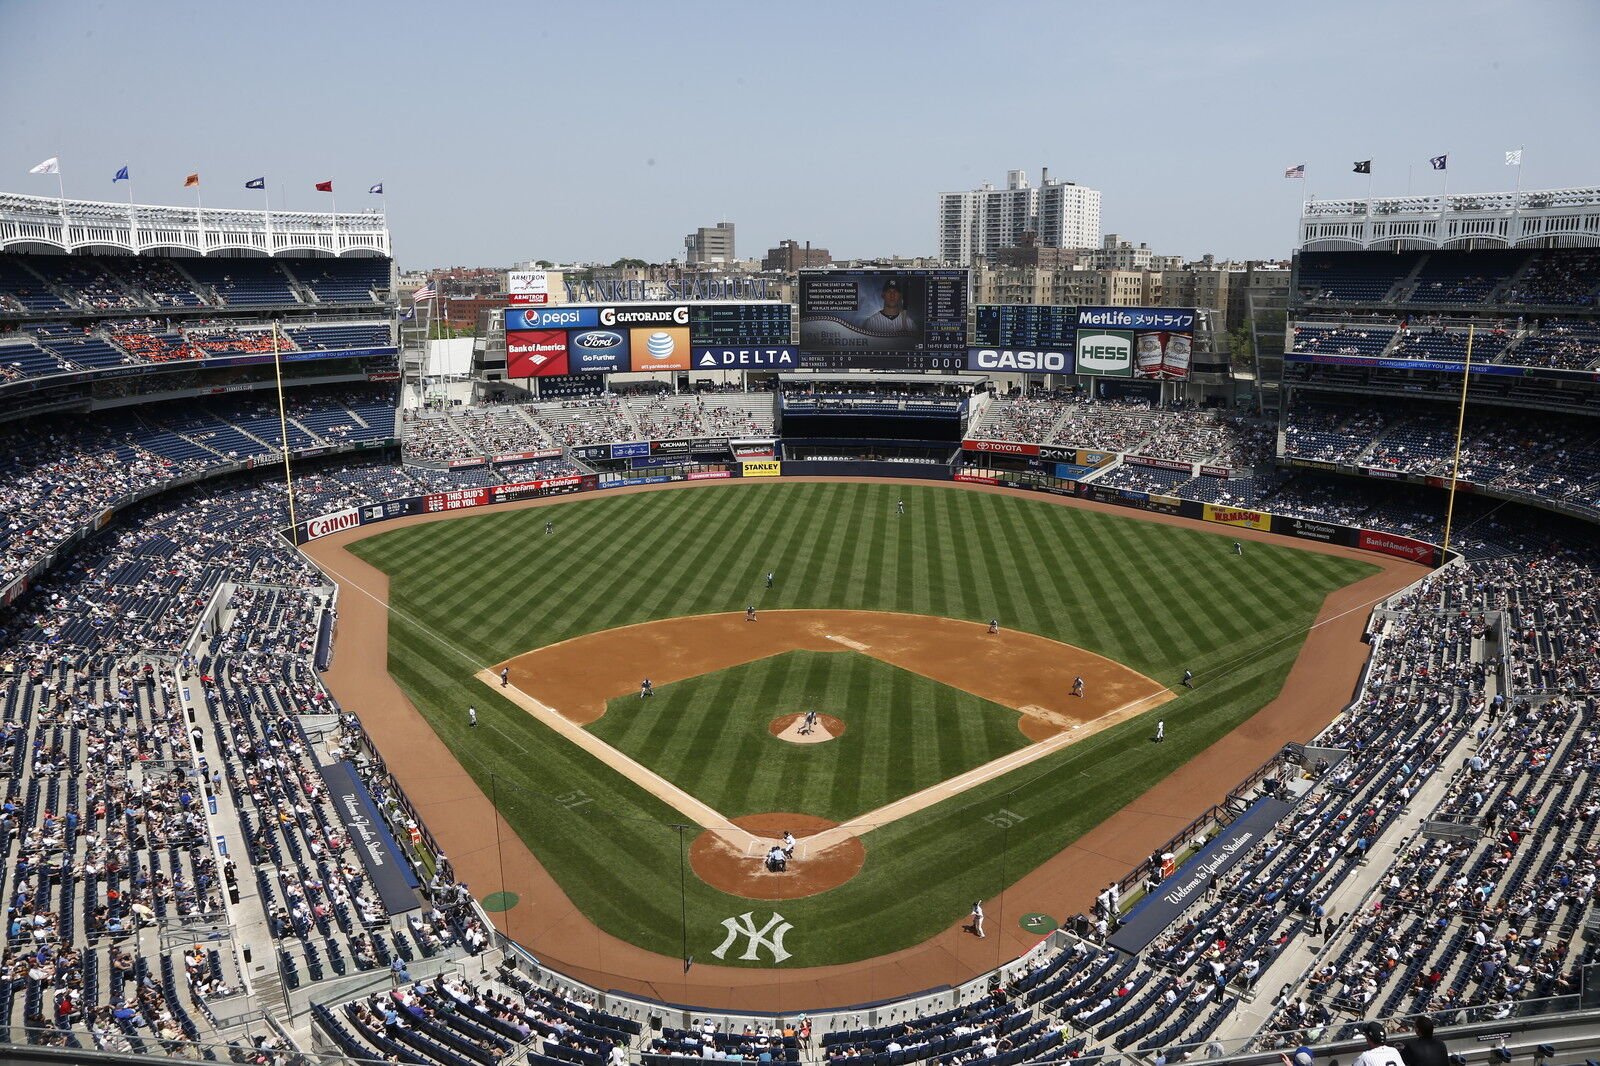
[(336, 522)]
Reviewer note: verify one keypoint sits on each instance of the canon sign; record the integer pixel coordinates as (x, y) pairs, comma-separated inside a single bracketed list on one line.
[(349, 518), (1028, 362)]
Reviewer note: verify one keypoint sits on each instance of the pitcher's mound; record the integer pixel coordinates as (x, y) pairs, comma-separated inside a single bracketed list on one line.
[(788, 728), (724, 867)]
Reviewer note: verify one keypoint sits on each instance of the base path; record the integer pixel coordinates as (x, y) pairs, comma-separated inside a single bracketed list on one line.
[(461, 816), (566, 686)]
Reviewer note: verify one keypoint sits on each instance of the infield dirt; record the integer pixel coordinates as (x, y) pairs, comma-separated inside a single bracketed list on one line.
[(466, 823)]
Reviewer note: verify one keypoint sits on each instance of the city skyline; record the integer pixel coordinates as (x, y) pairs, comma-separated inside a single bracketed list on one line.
[(509, 132)]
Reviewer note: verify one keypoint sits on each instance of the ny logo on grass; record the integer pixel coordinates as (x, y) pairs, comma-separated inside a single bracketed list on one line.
[(745, 925)]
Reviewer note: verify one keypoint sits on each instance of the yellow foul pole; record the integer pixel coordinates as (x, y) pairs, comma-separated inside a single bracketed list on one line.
[(1461, 421), (283, 433)]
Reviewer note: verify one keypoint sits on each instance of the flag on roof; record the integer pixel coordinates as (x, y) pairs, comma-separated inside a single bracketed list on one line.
[(1437, 162), (122, 175), (1298, 171), (256, 183), (192, 179), (1514, 159), (377, 189), (49, 166), (1364, 167), (424, 293), (324, 186)]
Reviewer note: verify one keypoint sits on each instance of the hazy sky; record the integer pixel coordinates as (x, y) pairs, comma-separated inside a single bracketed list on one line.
[(593, 130)]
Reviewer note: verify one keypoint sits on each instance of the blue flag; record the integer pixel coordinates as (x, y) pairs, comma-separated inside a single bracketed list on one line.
[(1437, 162), (122, 175), (378, 189), (256, 183)]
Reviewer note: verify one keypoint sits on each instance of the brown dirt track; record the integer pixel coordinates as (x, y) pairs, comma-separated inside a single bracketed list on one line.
[(809, 872), (479, 842)]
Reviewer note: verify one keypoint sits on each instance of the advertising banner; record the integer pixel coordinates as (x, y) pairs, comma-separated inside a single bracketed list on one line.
[(781, 357), (754, 449), (1311, 529), (321, 526), (389, 874), (669, 447), (1181, 319), (523, 457), (1164, 504), (1020, 361), (544, 487), (1162, 355), (467, 464), (435, 502), (536, 353), (527, 287), (381, 512), (628, 449), (644, 315), (709, 475), (1233, 516), (1393, 544), (1001, 447), (1159, 464), (1311, 464), (1215, 471), (763, 468), (1105, 353), (659, 349), (1173, 896), (552, 318), (597, 351), (977, 478)]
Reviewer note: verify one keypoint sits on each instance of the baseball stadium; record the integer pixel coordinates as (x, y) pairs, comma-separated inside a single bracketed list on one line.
[(788, 712)]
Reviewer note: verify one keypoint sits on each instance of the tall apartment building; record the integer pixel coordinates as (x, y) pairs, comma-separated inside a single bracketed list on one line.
[(1060, 214), (710, 246)]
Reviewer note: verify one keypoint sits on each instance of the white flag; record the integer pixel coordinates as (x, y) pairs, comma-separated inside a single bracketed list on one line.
[(49, 166), (1514, 159)]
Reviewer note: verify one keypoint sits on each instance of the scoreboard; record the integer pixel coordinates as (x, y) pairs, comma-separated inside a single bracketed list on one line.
[(741, 325), (883, 319), (1031, 327)]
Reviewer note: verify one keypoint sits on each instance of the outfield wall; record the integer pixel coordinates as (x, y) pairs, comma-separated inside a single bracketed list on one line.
[(1372, 540)]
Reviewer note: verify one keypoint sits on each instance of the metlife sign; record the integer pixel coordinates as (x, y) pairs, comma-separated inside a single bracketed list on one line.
[(1171, 319), (1105, 353), (778, 358), (1019, 361)]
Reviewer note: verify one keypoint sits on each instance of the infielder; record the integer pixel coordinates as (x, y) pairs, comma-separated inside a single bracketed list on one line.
[(1077, 687), (977, 918)]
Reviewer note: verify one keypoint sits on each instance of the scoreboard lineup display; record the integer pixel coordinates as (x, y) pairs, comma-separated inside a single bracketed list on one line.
[(1030, 326), (740, 325), (883, 319)]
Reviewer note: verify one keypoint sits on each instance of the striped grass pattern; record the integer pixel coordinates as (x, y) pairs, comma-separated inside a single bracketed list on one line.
[(482, 588)]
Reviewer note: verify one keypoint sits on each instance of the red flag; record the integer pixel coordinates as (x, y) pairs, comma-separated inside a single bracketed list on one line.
[(324, 186), (192, 179)]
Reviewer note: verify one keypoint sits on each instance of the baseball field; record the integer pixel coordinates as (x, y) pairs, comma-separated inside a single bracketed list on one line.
[(962, 761)]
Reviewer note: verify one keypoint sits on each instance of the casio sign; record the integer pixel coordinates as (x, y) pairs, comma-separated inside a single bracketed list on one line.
[(1004, 359)]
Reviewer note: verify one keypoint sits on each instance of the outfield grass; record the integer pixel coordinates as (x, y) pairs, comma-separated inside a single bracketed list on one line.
[(1161, 599), (903, 733)]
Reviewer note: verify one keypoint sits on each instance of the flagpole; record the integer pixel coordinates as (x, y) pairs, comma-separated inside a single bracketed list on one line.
[(334, 199), (200, 215), (1461, 420), (1519, 171), (283, 430), (266, 205)]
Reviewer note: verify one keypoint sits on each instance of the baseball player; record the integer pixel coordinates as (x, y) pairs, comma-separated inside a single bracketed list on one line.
[(809, 726), (646, 688), (900, 507), (1238, 549), (1077, 687), (750, 613), (788, 844), (769, 579), (1161, 731), (472, 716), (505, 676), (549, 528), (994, 625), (977, 918), (1188, 679)]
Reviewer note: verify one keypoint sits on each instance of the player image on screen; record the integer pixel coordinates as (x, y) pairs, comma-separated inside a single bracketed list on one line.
[(892, 319)]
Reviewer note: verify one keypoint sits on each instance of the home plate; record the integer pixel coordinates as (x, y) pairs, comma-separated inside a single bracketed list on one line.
[(847, 642)]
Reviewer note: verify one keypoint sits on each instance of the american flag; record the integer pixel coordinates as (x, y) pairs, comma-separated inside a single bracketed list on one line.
[(1295, 171), (424, 293)]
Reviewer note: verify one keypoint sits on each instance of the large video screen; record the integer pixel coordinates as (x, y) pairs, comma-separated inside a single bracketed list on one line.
[(890, 319), (1140, 342), (623, 338)]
